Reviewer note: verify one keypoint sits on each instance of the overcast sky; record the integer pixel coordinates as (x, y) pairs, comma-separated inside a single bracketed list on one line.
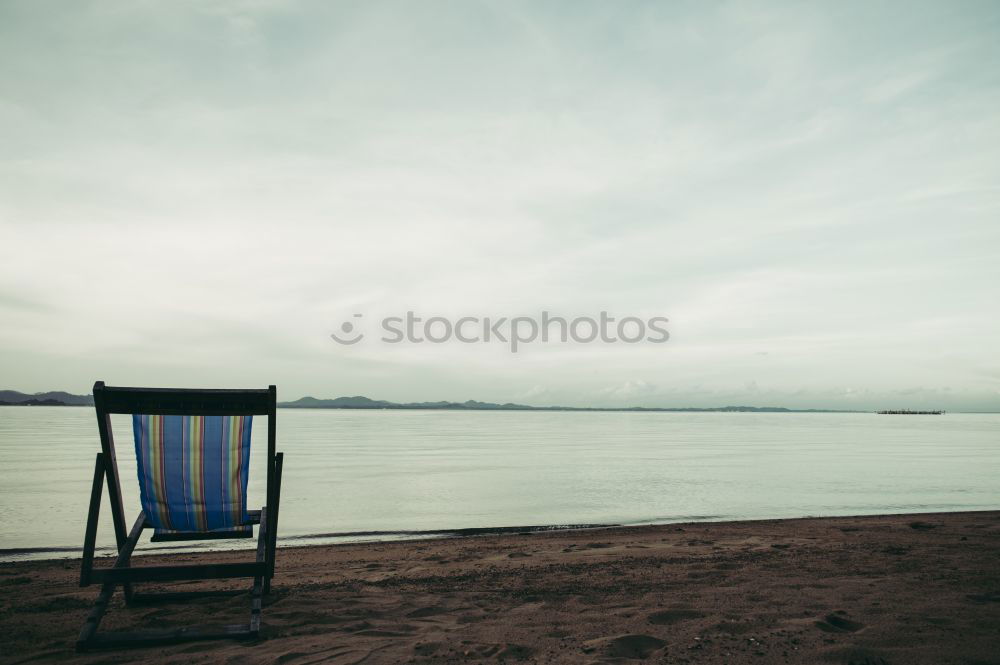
[(199, 193)]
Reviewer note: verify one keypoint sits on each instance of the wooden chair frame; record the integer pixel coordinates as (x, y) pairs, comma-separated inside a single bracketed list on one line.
[(173, 401)]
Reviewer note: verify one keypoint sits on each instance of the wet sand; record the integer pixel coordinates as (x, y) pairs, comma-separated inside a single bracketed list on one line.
[(855, 590)]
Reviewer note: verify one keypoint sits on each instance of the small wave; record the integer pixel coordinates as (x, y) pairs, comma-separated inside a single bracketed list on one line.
[(454, 533)]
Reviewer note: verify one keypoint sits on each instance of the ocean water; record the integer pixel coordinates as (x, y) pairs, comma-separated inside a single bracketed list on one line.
[(398, 472)]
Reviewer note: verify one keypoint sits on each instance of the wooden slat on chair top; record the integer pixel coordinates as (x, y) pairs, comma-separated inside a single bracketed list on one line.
[(182, 401)]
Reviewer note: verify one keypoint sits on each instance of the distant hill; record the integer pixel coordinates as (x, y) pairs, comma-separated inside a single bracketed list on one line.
[(361, 402), (52, 398), (59, 398), (356, 402)]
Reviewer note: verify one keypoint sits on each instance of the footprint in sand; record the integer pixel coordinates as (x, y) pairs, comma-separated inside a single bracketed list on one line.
[(158, 615), (13, 581), (859, 656), (483, 650), (426, 612), (516, 652), (357, 627), (868, 660), (299, 617), (667, 617), (838, 623), (632, 647), (895, 550), (427, 648), (394, 631)]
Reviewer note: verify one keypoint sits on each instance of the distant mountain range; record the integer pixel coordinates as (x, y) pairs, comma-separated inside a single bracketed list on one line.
[(52, 398), (58, 398), (361, 402)]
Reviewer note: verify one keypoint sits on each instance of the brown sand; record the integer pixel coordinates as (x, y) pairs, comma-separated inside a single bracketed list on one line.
[(862, 590)]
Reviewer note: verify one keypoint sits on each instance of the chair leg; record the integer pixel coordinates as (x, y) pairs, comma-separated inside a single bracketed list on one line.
[(90, 537), (256, 602), (263, 551), (93, 515), (93, 620), (274, 507), (89, 630)]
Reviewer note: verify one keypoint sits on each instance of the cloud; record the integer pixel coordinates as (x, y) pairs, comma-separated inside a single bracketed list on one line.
[(630, 390), (534, 394), (210, 186)]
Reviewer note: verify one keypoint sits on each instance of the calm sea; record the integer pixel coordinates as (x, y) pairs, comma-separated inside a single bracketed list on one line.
[(405, 471)]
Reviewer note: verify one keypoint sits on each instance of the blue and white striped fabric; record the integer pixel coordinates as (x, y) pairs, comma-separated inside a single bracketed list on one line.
[(193, 471)]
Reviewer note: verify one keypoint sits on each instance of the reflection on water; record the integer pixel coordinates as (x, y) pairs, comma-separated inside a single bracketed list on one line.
[(402, 472)]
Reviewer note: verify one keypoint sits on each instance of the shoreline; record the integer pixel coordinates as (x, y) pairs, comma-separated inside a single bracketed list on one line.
[(334, 539), (863, 590)]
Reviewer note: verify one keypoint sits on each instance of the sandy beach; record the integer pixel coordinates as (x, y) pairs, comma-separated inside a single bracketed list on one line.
[(854, 590)]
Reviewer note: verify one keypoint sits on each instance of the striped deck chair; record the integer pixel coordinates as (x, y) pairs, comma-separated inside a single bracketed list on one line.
[(192, 457)]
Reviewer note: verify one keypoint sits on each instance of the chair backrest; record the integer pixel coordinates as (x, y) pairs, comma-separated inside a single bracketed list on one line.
[(192, 451), (193, 470)]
